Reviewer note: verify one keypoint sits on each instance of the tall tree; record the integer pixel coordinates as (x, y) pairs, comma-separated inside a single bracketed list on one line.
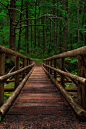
[(26, 35), (65, 27), (20, 26), (12, 24)]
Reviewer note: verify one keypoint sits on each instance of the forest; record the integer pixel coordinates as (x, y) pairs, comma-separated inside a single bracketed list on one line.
[(41, 29)]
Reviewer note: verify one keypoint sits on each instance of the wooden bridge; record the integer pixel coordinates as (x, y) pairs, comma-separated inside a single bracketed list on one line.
[(40, 101)]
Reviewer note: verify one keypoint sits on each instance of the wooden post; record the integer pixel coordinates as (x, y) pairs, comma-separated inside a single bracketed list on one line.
[(48, 64), (62, 68), (2, 70), (81, 87), (55, 67), (23, 73), (27, 62), (51, 66), (17, 66), (27, 71)]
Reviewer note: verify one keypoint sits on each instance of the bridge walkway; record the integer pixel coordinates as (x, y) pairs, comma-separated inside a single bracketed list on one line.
[(40, 105)]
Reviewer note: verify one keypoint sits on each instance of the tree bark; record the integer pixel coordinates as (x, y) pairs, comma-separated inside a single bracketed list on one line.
[(20, 27), (65, 28), (27, 23), (78, 20), (35, 26), (12, 25)]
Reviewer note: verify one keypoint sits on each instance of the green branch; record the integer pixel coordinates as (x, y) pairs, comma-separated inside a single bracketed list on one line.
[(3, 4), (30, 25), (15, 9)]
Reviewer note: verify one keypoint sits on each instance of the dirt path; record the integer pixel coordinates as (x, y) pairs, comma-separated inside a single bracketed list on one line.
[(38, 64)]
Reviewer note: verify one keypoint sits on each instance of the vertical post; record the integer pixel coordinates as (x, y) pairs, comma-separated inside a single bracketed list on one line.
[(17, 66), (2, 70), (51, 66), (48, 64), (43, 63), (55, 67), (23, 73), (62, 68), (82, 87), (27, 62)]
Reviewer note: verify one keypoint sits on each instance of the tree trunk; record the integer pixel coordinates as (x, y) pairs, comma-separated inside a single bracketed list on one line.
[(26, 44), (57, 44), (12, 25), (35, 26), (78, 20), (20, 27), (31, 37), (65, 28), (55, 47)]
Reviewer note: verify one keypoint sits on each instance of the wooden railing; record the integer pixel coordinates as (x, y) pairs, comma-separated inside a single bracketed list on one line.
[(50, 64), (26, 68)]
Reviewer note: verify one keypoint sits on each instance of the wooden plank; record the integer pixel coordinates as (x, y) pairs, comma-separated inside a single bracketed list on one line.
[(2, 71), (9, 89), (72, 89)]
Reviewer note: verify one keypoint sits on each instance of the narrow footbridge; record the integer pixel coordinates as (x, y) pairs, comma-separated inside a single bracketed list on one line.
[(39, 100)]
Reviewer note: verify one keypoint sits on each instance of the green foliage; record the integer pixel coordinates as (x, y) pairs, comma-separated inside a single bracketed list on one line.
[(56, 8), (72, 60), (69, 85), (0, 119), (39, 60), (7, 95)]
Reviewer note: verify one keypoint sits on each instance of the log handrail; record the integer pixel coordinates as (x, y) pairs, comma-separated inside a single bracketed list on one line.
[(26, 68), (79, 79), (77, 108), (8, 103), (14, 73), (12, 53), (72, 53)]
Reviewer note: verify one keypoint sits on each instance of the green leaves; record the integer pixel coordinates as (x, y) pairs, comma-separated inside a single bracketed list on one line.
[(0, 119)]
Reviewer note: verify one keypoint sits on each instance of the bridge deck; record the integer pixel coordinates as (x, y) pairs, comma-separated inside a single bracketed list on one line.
[(41, 106)]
